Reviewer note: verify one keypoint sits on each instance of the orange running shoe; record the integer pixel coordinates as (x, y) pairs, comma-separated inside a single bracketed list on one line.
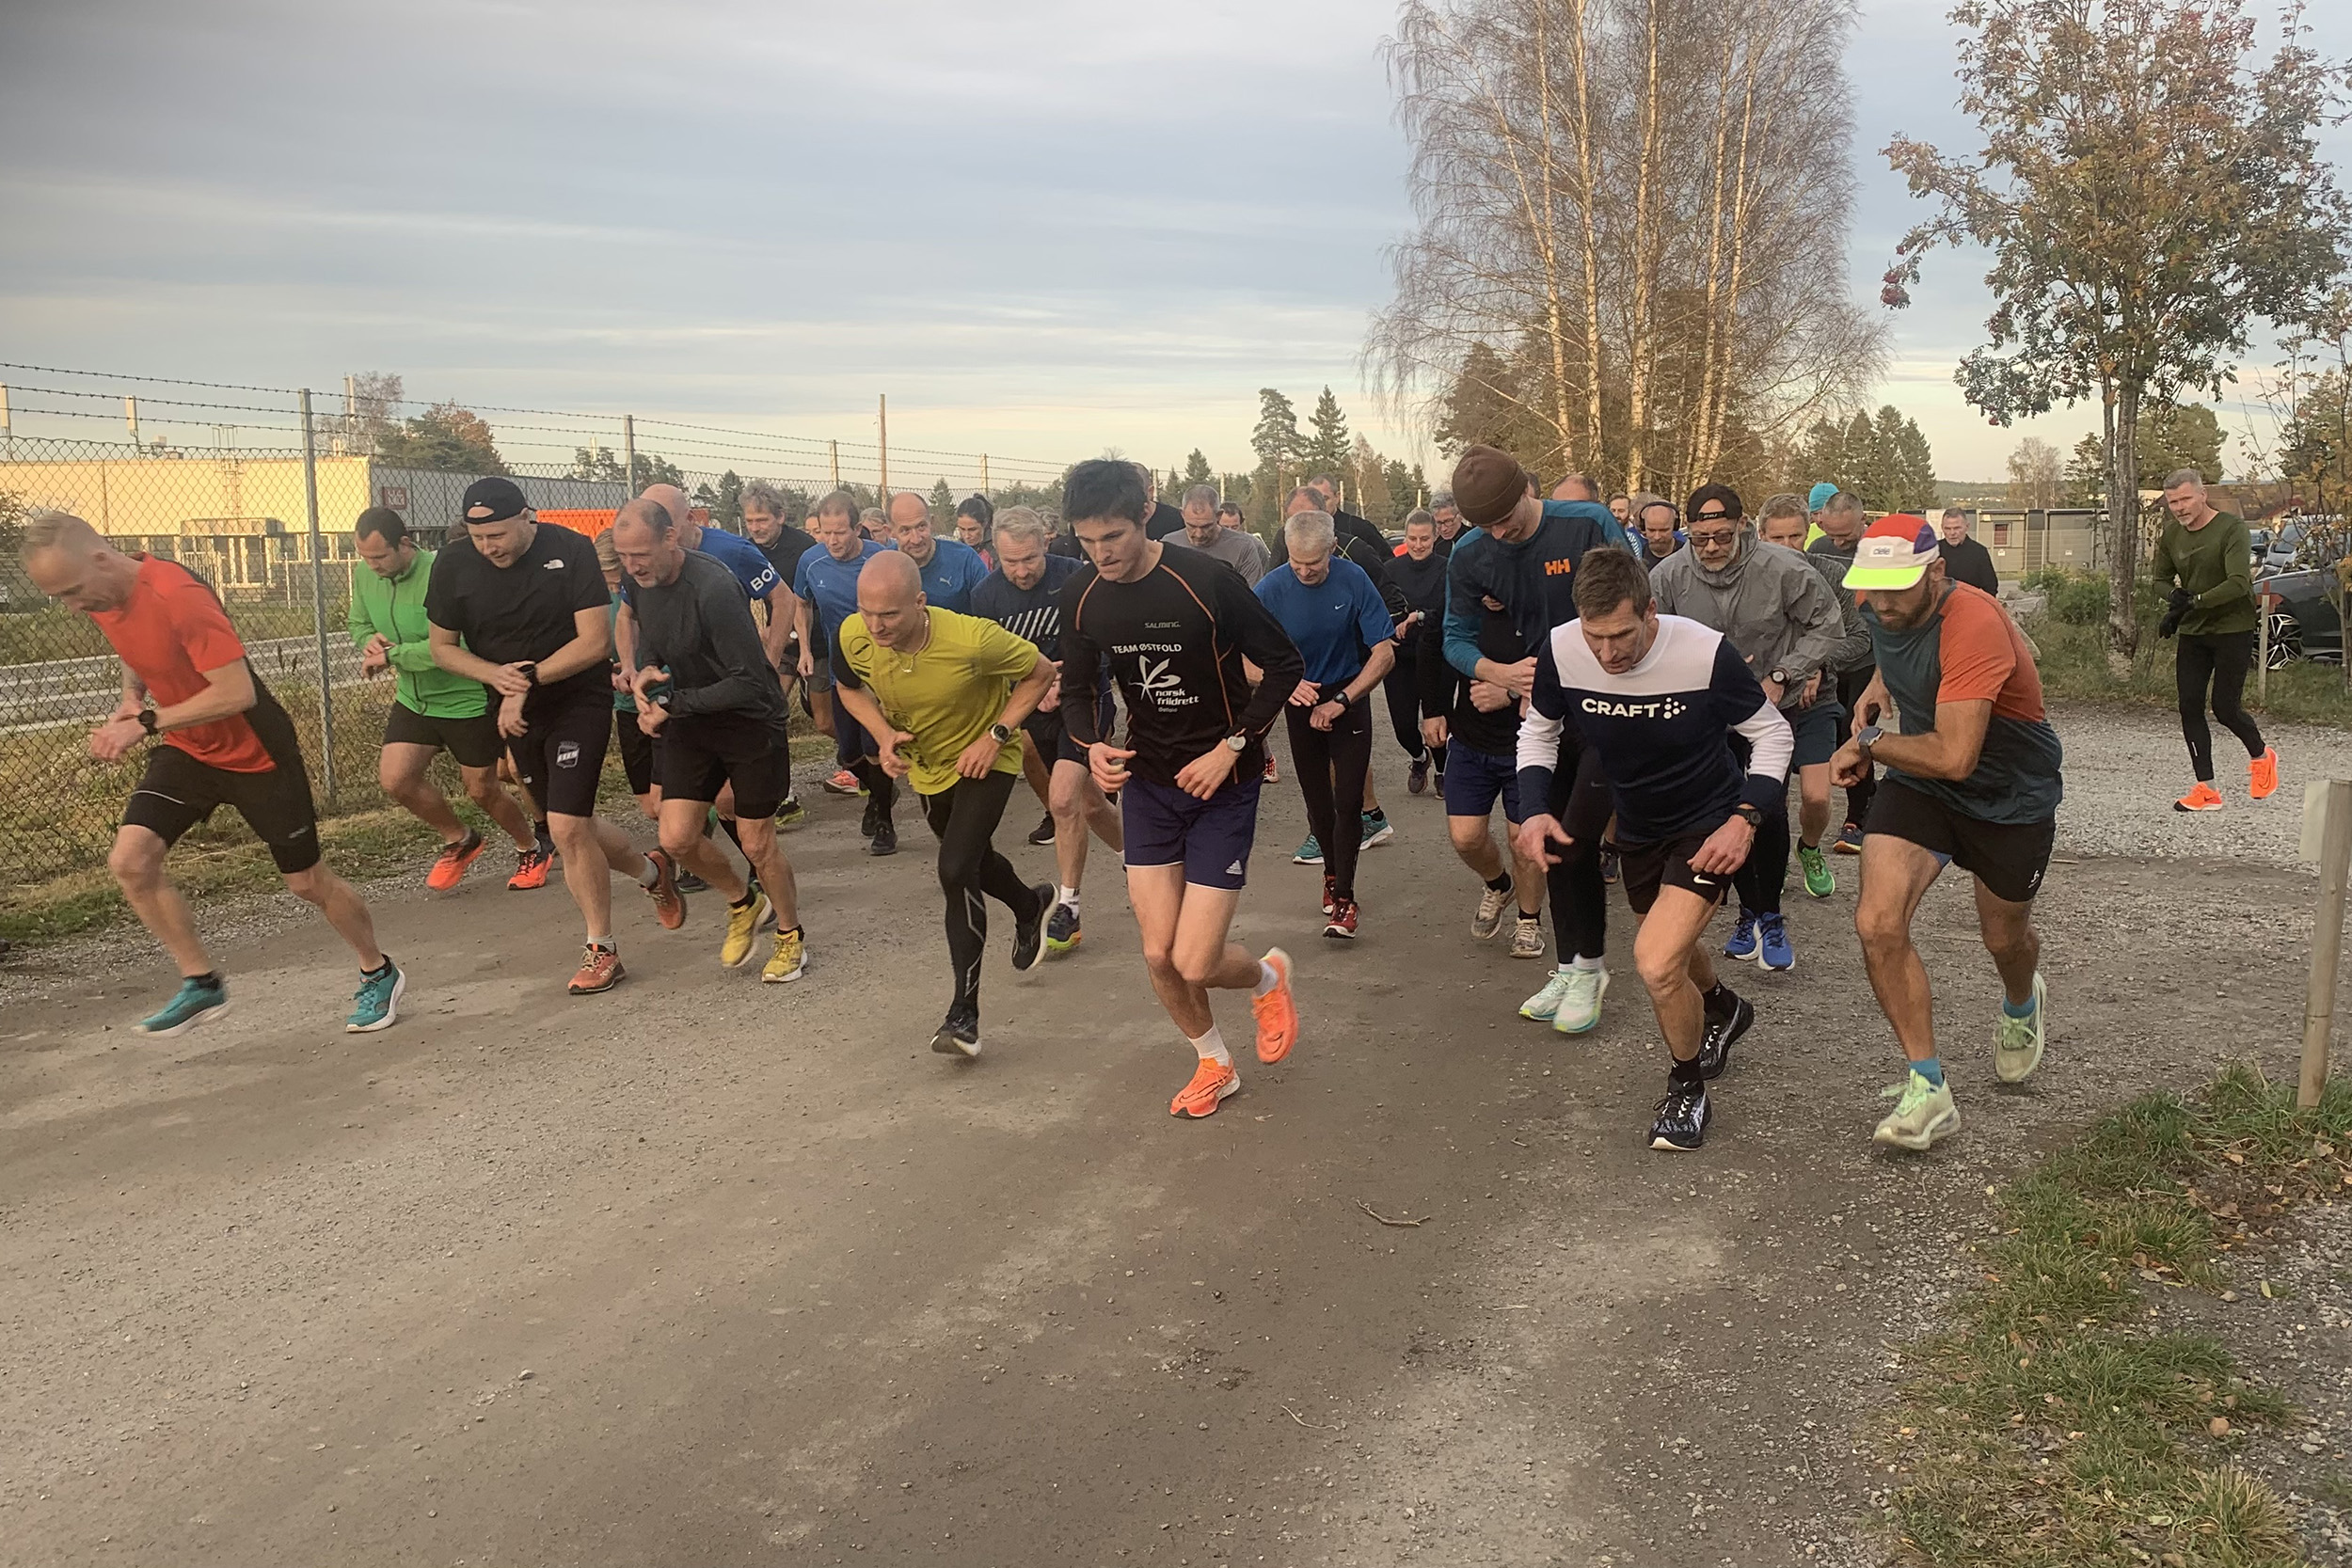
[(530, 870), (1277, 1011), (2264, 774), (669, 904), (2204, 798), (599, 970), (451, 863), (1211, 1083)]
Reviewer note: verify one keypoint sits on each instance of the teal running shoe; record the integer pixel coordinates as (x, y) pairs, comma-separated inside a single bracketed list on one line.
[(190, 1005), (377, 1003), (1309, 853)]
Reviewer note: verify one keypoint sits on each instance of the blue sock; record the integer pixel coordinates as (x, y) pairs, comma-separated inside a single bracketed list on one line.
[(2017, 1010), (1931, 1070)]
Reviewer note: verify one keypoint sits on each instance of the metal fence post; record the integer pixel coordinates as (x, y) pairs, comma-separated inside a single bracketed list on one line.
[(883, 416), (832, 455), (628, 455), (984, 473), (318, 597)]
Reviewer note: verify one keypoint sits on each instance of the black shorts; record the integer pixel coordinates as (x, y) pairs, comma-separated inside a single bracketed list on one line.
[(696, 762), (560, 754), (1051, 737), (1210, 839), (637, 751), (177, 792), (1644, 868), (474, 742), (2009, 857)]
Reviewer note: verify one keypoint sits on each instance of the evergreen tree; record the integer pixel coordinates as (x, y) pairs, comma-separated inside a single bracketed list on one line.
[(1903, 458), (942, 507), (1328, 448), (1197, 470), (1276, 439)]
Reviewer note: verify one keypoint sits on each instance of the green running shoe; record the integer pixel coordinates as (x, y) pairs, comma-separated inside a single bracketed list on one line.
[(190, 1005), (377, 1003), (1309, 853), (1923, 1113), (2017, 1049), (1819, 881)]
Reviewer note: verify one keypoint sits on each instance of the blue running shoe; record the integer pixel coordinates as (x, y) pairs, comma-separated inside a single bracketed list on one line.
[(190, 1005), (1742, 943), (377, 1003), (1772, 941), (1309, 853)]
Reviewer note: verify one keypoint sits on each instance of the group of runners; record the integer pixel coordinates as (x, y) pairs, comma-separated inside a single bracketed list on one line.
[(1634, 683)]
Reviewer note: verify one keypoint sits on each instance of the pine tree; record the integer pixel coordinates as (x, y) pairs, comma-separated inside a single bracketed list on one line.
[(1328, 448), (1276, 439), (1901, 456), (1197, 470), (943, 506)]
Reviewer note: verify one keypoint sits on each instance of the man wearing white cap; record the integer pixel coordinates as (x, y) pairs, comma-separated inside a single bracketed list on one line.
[(1972, 780)]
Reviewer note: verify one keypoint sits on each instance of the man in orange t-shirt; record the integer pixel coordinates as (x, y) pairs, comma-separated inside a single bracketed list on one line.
[(1972, 780), (225, 741)]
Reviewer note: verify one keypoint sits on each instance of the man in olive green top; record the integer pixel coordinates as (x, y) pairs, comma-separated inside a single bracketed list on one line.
[(432, 710), (2204, 558)]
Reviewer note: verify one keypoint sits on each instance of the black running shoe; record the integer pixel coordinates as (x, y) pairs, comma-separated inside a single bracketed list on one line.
[(689, 882), (1715, 1048), (1028, 936), (1043, 833), (959, 1032), (1062, 929), (1609, 865), (1417, 776), (885, 837), (1682, 1116), (866, 824)]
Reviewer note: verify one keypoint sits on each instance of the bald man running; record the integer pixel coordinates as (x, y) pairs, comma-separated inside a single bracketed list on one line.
[(224, 742), (944, 696)]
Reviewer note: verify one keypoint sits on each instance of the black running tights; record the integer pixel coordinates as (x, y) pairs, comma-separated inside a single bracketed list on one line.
[(1579, 900), (1763, 877), (1851, 686), (1331, 765), (1402, 686), (2221, 658), (964, 816)]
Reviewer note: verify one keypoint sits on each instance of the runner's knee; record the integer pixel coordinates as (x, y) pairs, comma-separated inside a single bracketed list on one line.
[(135, 861)]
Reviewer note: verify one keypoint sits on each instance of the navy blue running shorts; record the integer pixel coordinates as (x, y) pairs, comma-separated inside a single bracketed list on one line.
[(1210, 839)]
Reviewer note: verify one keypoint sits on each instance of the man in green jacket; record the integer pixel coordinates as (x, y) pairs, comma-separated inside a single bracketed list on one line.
[(432, 710), (2203, 556)]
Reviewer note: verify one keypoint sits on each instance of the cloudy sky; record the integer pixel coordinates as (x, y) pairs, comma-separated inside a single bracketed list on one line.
[(1043, 229)]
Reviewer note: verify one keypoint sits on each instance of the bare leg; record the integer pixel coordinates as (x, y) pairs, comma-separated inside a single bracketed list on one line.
[(400, 772), (343, 908), (1158, 893), (2009, 937), (137, 863), (1896, 874), (583, 842), (1040, 774), (821, 710), (1474, 841), (765, 850), (483, 789), (1078, 806), (1666, 951), (682, 839), (1812, 804)]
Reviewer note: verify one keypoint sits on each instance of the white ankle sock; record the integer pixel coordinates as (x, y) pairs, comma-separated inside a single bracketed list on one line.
[(1212, 1048), (1584, 962), (1267, 978), (1068, 895), (650, 875)]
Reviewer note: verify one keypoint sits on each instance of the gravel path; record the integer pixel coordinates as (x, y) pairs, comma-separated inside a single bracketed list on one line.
[(2125, 766)]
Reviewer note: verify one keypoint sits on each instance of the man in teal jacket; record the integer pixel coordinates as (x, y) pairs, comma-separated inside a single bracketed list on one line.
[(432, 710)]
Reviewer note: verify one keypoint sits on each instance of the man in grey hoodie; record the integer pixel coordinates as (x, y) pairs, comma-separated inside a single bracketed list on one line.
[(1783, 619)]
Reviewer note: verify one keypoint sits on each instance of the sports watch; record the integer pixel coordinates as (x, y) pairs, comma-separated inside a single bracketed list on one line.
[(1748, 814), (1000, 735), (1237, 743), (1868, 735), (146, 719)]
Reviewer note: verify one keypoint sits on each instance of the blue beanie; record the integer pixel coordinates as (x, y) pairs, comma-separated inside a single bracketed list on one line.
[(1820, 495)]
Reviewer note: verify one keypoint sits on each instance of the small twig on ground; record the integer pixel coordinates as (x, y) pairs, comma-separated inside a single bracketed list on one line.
[(1301, 1419), (1383, 1219)]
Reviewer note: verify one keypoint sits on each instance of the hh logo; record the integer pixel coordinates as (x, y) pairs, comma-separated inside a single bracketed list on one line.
[(568, 753), (1558, 568)]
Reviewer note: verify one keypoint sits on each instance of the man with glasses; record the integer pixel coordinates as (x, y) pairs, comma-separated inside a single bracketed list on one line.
[(1448, 518), (1778, 616)]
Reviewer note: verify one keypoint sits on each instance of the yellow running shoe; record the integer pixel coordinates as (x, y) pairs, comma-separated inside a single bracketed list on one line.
[(743, 921), (790, 961)]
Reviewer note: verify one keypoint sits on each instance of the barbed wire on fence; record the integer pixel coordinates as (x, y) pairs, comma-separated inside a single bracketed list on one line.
[(225, 485)]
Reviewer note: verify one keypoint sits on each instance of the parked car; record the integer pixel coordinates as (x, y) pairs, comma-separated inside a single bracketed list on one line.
[(2280, 555), (2302, 618), (2259, 539)]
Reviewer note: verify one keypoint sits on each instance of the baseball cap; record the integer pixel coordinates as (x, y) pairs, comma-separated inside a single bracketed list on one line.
[(1818, 496), (1487, 483), (493, 500), (1894, 552)]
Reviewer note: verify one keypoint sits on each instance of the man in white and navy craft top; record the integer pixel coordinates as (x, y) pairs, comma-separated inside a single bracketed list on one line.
[(1656, 698)]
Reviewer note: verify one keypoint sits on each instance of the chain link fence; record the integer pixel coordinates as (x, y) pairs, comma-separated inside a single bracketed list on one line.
[(254, 490)]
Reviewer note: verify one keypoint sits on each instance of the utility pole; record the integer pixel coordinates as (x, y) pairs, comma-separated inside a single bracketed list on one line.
[(131, 417), (885, 451), (832, 455), (318, 596), (628, 455)]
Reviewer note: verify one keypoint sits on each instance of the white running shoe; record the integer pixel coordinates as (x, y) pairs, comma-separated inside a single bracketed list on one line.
[(1545, 1002), (1579, 1008)]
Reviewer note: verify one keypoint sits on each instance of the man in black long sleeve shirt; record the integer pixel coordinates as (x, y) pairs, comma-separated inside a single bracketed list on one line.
[(1176, 626), (706, 691)]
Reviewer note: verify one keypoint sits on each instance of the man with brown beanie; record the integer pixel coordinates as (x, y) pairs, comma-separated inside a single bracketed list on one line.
[(1522, 561)]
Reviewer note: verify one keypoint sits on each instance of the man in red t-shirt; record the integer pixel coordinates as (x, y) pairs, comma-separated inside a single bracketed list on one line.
[(224, 741)]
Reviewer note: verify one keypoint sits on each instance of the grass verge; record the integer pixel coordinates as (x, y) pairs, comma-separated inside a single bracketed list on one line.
[(2055, 1424), (2073, 665)]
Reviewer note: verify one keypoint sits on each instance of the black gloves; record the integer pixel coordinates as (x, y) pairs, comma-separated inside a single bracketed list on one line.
[(2179, 606)]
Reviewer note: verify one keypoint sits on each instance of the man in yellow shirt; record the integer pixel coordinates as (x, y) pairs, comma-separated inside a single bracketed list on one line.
[(944, 696)]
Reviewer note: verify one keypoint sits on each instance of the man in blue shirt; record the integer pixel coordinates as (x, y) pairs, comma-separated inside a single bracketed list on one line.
[(1341, 628), (1522, 561), (950, 568), (825, 585)]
